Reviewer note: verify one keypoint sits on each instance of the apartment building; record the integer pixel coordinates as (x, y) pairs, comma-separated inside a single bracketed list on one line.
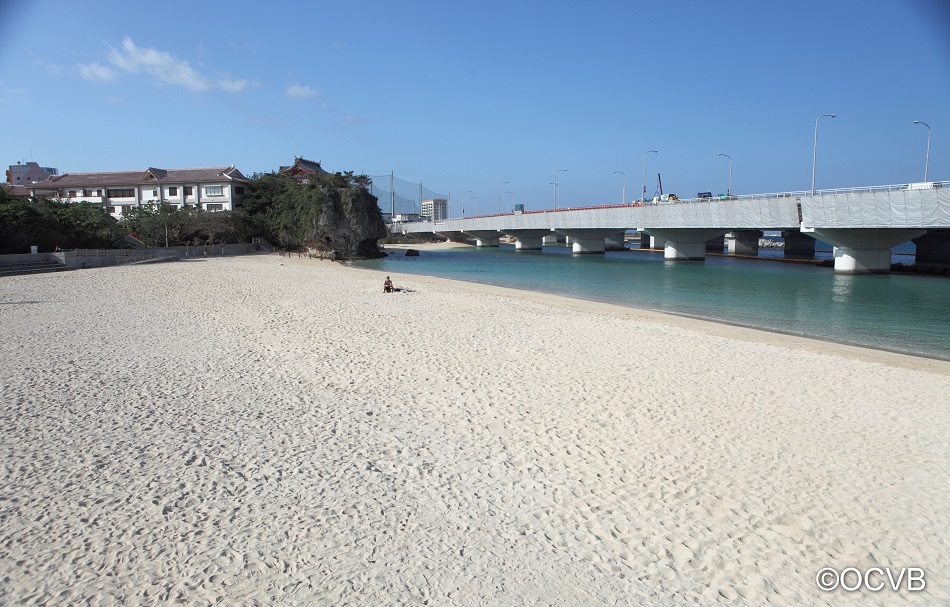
[(209, 189)]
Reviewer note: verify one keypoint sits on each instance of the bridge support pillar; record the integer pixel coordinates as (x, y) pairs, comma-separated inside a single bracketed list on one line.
[(590, 240), (452, 236), (485, 238), (933, 247), (716, 245), (528, 240), (863, 250), (648, 241), (686, 244), (743, 242), (798, 244)]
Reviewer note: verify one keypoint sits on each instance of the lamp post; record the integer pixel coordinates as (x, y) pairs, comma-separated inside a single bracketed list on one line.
[(556, 196), (463, 202), (927, 162), (499, 195), (623, 198), (643, 170), (476, 205), (814, 158), (511, 209), (729, 191)]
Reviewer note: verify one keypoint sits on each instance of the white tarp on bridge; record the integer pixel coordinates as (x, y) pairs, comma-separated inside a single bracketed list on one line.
[(887, 209)]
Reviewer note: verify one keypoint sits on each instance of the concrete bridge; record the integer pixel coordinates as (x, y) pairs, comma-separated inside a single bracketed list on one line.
[(863, 224)]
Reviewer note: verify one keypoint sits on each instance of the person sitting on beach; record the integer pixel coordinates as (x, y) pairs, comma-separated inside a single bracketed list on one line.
[(388, 286)]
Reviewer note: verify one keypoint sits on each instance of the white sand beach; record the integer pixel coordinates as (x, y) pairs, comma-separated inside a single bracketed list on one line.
[(262, 430)]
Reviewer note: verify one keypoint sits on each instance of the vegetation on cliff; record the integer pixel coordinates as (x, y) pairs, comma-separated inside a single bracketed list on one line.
[(331, 213)]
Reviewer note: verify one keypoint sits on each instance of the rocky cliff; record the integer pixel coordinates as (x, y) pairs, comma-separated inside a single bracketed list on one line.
[(328, 213), (349, 223)]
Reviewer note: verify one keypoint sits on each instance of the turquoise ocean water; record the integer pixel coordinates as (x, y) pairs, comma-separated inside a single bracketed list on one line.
[(898, 312)]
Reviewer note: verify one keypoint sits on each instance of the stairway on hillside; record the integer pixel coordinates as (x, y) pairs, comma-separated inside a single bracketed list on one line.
[(31, 267)]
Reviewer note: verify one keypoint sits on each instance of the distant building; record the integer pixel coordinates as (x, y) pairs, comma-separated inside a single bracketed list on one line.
[(31, 172), (209, 189), (406, 218), (303, 170), (435, 209)]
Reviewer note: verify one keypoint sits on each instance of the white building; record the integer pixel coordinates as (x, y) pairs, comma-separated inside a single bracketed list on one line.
[(435, 209), (31, 172), (210, 189)]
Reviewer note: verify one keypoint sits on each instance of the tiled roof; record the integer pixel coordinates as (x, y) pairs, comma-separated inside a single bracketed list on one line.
[(149, 176), (308, 166), (15, 190)]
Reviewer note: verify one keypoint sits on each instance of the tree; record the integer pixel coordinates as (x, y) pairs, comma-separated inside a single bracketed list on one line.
[(48, 224)]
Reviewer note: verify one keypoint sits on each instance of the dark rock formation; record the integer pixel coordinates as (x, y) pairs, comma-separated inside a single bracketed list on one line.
[(930, 269), (349, 222)]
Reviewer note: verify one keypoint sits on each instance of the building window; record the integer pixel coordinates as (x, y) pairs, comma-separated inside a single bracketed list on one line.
[(71, 194), (120, 193), (215, 207), (239, 190), (154, 193), (126, 208), (173, 191), (214, 190), (110, 209), (99, 193), (189, 191)]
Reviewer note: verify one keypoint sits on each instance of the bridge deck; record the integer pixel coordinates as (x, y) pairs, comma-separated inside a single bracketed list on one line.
[(898, 206)]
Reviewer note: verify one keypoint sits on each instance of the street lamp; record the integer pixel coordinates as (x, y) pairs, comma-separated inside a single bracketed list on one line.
[(476, 205), (643, 170), (512, 207), (556, 197), (927, 163), (814, 158), (463, 202), (729, 191), (499, 195), (623, 199)]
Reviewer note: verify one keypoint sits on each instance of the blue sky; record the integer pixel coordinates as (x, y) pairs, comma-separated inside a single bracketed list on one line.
[(465, 95)]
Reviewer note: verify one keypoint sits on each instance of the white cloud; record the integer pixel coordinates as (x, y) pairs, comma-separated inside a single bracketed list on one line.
[(51, 68), (297, 91), (96, 73), (12, 97), (129, 58), (135, 59), (233, 86)]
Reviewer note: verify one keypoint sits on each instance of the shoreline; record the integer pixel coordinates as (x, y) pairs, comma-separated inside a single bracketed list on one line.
[(707, 325)]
